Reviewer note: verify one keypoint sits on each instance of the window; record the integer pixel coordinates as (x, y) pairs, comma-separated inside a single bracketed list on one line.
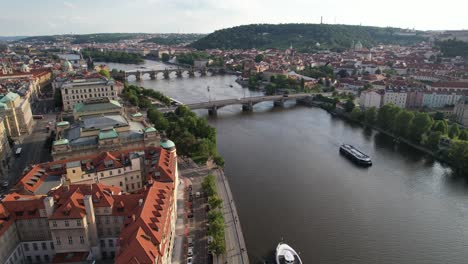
[(73, 171), (70, 240), (131, 178), (44, 246), (102, 174), (54, 223), (26, 247), (57, 241), (138, 184), (46, 258), (111, 243), (133, 186), (81, 239), (78, 222), (38, 258), (52, 245), (126, 186), (107, 220), (121, 184), (35, 247), (110, 173), (104, 255), (109, 231), (29, 259), (67, 223), (118, 171)]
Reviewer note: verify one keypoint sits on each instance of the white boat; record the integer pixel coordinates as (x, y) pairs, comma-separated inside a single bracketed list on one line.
[(286, 255)]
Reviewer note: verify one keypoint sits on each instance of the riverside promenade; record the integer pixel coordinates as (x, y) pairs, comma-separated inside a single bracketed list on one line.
[(236, 251)]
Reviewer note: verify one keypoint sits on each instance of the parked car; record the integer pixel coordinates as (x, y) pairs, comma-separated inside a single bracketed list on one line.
[(189, 260), (210, 239), (190, 251), (197, 194), (190, 241)]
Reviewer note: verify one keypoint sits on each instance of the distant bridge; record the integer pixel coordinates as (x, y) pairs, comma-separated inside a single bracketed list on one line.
[(153, 74), (248, 102)]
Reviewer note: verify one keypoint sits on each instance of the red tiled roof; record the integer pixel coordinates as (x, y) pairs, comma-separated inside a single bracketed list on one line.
[(140, 240)]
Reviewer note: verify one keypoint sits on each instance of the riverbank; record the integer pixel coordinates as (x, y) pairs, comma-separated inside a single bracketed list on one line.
[(236, 251), (396, 139)]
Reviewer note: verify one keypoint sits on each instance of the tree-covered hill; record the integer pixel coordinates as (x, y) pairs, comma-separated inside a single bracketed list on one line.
[(453, 48), (304, 36), (175, 39)]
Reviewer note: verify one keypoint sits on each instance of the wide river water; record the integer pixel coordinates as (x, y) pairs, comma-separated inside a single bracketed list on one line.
[(290, 183)]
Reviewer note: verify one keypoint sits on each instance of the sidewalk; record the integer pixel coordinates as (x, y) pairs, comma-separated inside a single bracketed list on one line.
[(236, 251)]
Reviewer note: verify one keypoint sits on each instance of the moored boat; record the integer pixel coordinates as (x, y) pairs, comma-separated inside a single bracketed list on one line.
[(355, 155), (286, 255)]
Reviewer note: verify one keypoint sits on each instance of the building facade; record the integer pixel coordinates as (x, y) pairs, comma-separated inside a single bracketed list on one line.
[(461, 111), (76, 223), (79, 90), (371, 98), (396, 96), (17, 114)]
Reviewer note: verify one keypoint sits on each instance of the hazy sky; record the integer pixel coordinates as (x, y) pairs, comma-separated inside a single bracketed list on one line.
[(46, 17)]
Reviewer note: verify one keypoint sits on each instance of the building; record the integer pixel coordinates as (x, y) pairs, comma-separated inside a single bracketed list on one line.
[(371, 98), (17, 114), (101, 125), (396, 96), (79, 90), (438, 99), (461, 111), (78, 223), (449, 86), (5, 150)]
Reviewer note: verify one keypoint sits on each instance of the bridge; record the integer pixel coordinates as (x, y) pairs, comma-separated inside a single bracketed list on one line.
[(248, 102), (153, 74)]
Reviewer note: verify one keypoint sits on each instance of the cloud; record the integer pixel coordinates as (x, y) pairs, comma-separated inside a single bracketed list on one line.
[(69, 5)]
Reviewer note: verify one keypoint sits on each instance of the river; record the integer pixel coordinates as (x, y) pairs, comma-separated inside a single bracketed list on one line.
[(289, 182)]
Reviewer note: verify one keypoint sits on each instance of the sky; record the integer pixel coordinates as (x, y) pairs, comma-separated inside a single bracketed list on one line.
[(49, 17)]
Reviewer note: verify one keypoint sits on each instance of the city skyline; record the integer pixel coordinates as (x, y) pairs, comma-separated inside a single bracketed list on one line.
[(51, 17)]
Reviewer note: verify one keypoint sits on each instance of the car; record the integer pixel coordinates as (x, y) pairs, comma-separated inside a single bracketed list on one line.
[(190, 241), (197, 194), (189, 260), (210, 239), (190, 251), (5, 184), (190, 187)]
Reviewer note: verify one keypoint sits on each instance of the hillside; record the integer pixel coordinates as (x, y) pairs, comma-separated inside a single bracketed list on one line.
[(304, 36), (174, 39), (453, 48)]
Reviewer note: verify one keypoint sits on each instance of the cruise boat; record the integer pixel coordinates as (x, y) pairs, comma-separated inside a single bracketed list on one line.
[(355, 155), (286, 255)]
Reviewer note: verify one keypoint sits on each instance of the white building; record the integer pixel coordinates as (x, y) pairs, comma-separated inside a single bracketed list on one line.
[(396, 96), (440, 99), (79, 90), (371, 98), (461, 111)]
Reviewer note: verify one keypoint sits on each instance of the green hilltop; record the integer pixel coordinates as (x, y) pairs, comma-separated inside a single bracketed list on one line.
[(304, 37)]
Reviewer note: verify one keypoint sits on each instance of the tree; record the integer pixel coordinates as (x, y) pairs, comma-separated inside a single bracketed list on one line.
[(458, 156), (438, 116), (422, 123), (433, 139), (209, 185), (165, 57), (144, 103), (104, 73), (378, 71), (441, 126), (259, 58), (403, 122), (215, 202), (357, 114), (157, 119), (370, 115), (386, 116), (463, 135), (343, 73), (349, 105), (454, 131)]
